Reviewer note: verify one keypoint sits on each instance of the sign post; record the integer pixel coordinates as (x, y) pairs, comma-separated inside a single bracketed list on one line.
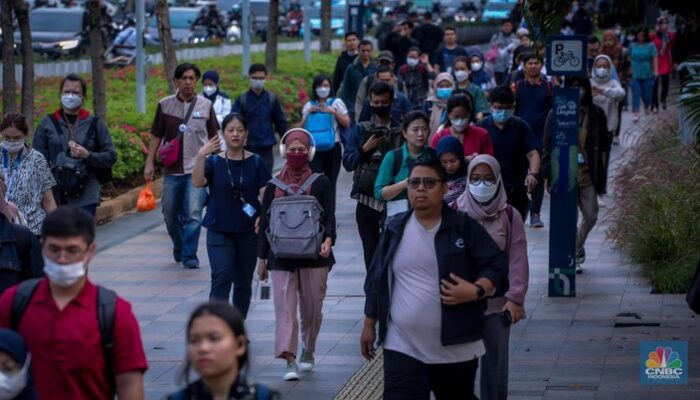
[(356, 11), (567, 56)]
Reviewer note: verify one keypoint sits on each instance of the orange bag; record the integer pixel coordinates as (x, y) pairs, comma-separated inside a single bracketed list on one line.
[(146, 200)]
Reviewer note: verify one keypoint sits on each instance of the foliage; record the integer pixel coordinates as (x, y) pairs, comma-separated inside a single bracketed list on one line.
[(546, 17), (657, 218), (130, 130), (690, 101)]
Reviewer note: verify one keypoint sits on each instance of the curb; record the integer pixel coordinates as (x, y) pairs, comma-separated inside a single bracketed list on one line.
[(124, 203)]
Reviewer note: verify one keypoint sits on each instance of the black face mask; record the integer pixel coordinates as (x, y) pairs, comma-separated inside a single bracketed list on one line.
[(381, 111)]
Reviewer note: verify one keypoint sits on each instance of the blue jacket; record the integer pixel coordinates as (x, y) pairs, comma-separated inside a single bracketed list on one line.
[(464, 248), (260, 113)]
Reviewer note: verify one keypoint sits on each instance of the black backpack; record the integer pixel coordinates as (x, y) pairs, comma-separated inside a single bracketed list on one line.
[(106, 310), (366, 173)]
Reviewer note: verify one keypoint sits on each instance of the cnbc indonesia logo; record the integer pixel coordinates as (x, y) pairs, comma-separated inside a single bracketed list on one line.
[(664, 364)]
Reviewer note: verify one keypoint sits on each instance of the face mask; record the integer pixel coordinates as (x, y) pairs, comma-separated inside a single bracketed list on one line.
[(461, 76), (297, 160), (482, 193), (64, 275), (71, 101), (630, 38), (412, 62), (12, 384), (459, 124), (323, 92), (501, 116), (13, 146), (209, 90), (257, 84), (443, 93), (477, 66), (602, 72), (381, 111)]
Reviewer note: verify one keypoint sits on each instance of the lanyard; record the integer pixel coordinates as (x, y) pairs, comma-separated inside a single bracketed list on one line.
[(9, 170), (230, 177)]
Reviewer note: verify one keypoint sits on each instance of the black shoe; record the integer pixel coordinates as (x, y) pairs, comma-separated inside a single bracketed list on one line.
[(176, 255), (190, 265), (663, 106)]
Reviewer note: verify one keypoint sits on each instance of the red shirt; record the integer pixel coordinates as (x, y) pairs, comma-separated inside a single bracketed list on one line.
[(67, 353), (475, 140)]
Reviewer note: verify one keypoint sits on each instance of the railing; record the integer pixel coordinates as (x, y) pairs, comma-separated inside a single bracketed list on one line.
[(687, 90)]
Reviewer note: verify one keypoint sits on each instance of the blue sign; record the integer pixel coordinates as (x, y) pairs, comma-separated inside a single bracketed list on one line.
[(663, 363), (564, 185), (567, 55), (355, 21)]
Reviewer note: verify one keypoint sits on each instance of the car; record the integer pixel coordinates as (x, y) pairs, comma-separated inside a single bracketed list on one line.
[(497, 10), (338, 16), (181, 19), (57, 32)]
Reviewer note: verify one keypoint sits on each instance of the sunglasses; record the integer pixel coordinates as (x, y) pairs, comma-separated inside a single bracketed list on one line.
[(428, 183)]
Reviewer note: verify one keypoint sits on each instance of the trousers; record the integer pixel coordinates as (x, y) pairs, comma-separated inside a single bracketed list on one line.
[(588, 204), (232, 258), (369, 225)]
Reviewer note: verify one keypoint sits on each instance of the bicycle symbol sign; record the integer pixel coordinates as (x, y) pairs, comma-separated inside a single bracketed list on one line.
[(566, 55)]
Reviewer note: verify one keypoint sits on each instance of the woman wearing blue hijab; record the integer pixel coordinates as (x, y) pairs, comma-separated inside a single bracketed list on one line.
[(15, 372), (450, 151)]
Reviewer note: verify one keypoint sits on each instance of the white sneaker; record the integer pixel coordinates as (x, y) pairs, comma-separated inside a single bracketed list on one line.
[(292, 373), (306, 361)]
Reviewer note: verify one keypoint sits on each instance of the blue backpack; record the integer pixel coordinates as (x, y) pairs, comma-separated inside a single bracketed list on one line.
[(321, 125)]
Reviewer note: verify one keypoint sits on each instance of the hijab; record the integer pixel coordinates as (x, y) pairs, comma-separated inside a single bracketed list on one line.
[(450, 144), (484, 213), (439, 105), (613, 51), (600, 82), (288, 174), (480, 77), (14, 346)]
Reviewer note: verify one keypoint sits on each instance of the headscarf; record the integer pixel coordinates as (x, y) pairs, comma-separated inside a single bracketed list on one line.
[(480, 77), (214, 76), (595, 80), (14, 346), (612, 51), (450, 144), (484, 212), (294, 176), (438, 104)]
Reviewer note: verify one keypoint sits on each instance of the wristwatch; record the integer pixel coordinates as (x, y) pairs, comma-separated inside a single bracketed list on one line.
[(480, 291)]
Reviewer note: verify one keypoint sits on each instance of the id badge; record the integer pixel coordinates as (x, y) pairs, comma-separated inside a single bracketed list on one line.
[(248, 210), (581, 159)]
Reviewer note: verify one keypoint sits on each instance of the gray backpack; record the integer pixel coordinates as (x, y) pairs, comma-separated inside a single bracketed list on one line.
[(295, 229)]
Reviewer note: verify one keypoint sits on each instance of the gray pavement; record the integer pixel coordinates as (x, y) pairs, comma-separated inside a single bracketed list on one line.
[(568, 348)]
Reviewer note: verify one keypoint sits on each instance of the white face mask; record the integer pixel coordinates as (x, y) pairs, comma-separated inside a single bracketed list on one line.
[(323, 91), (602, 72), (459, 124), (461, 76), (482, 193), (412, 62), (209, 90), (477, 66), (71, 101), (13, 146), (257, 84), (64, 275), (12, 384)]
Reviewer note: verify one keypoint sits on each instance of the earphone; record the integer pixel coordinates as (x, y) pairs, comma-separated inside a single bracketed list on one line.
[(283, 147)]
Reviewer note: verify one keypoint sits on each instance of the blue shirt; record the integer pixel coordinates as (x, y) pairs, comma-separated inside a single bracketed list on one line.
[(642, 56), (532, 103), (261, 115), (225, 211), (510, 147), (444, 57), (399, 107)]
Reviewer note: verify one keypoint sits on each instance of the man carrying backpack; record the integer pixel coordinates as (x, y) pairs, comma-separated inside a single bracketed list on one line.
[(84, 339), (364, 152)]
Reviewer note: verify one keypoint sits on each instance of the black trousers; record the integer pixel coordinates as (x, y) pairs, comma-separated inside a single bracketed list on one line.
[(518, 200), (328, 163), (369, 225), (663, 79), (266, 154), (406, 378)]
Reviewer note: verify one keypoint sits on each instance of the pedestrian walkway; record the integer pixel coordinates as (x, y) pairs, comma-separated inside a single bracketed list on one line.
[(585, 347)]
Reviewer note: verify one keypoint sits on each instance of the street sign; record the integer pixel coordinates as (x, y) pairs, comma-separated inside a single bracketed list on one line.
[(567, 55), (564, 194), (355, 22)]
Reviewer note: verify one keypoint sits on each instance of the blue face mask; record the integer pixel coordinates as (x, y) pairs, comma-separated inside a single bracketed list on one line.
[(501, 116), (443, 93)]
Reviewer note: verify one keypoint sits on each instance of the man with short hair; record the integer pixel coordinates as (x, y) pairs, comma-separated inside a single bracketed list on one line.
[(506, 41), (363, 155), (400, 41), (515, 147), (263, 113), (189, 120), (399, 107), (385, 59), (428, 35), (356, 72), (448, 51), (352, 41), (64, 319), (426, 287)]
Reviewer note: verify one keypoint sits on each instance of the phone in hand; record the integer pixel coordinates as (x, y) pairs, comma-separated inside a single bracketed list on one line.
[(506, 318)]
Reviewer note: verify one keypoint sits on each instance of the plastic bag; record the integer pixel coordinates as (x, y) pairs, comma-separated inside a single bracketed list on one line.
[(146, 200)]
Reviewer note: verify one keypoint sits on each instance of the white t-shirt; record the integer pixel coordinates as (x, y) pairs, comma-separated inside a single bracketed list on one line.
[(415, 316), (338, 105)]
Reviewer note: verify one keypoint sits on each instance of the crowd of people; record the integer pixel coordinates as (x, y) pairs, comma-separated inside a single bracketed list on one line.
[(450, 152)]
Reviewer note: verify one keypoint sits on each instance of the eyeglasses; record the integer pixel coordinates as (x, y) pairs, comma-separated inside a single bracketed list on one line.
[(487, 182), (428, 183)]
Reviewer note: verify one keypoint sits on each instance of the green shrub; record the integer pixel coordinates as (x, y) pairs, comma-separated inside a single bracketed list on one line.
[(656, 219)]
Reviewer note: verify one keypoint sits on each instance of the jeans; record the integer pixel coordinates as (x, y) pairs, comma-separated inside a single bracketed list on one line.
[(369, 225), (232, 258), (328, 163), (663, 79), (588, 204), (182, 210), (408, 378), (641, 91), (494, 364)]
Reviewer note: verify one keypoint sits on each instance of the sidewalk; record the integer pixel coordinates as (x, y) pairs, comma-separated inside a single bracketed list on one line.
[(568, 348)]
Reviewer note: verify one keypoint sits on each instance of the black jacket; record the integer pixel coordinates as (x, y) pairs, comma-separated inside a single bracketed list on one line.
[(239, 391), (464, 248), (20, 255), (343, 62)]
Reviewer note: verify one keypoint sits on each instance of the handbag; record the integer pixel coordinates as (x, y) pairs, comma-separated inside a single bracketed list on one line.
[(70, 173), (169, 151)]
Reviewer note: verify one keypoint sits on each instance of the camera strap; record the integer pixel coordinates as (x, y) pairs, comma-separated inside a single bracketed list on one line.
[(230, 176)]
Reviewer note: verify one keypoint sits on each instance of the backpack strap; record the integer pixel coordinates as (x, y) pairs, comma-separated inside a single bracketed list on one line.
[(106, 311), (24, 294), (309, 181), (278, 182), (398, 160), (59, 130)]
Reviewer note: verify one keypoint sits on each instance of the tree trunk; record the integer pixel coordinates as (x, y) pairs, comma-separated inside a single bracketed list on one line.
[(9, 86), (99, 98), (325, 27), (272, 30), (22, 13), (166, 43)]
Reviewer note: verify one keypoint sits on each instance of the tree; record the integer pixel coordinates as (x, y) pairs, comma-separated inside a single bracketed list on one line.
[(166, 42), (272, 31), (325, 27), (21, 9), (9, 86), (99, 98)]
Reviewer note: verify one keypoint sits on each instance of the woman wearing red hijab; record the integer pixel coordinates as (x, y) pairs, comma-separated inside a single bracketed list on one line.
[(295, 281)]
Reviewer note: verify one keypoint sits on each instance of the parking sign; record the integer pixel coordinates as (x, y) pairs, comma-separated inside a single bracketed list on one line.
[(567, 55)]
